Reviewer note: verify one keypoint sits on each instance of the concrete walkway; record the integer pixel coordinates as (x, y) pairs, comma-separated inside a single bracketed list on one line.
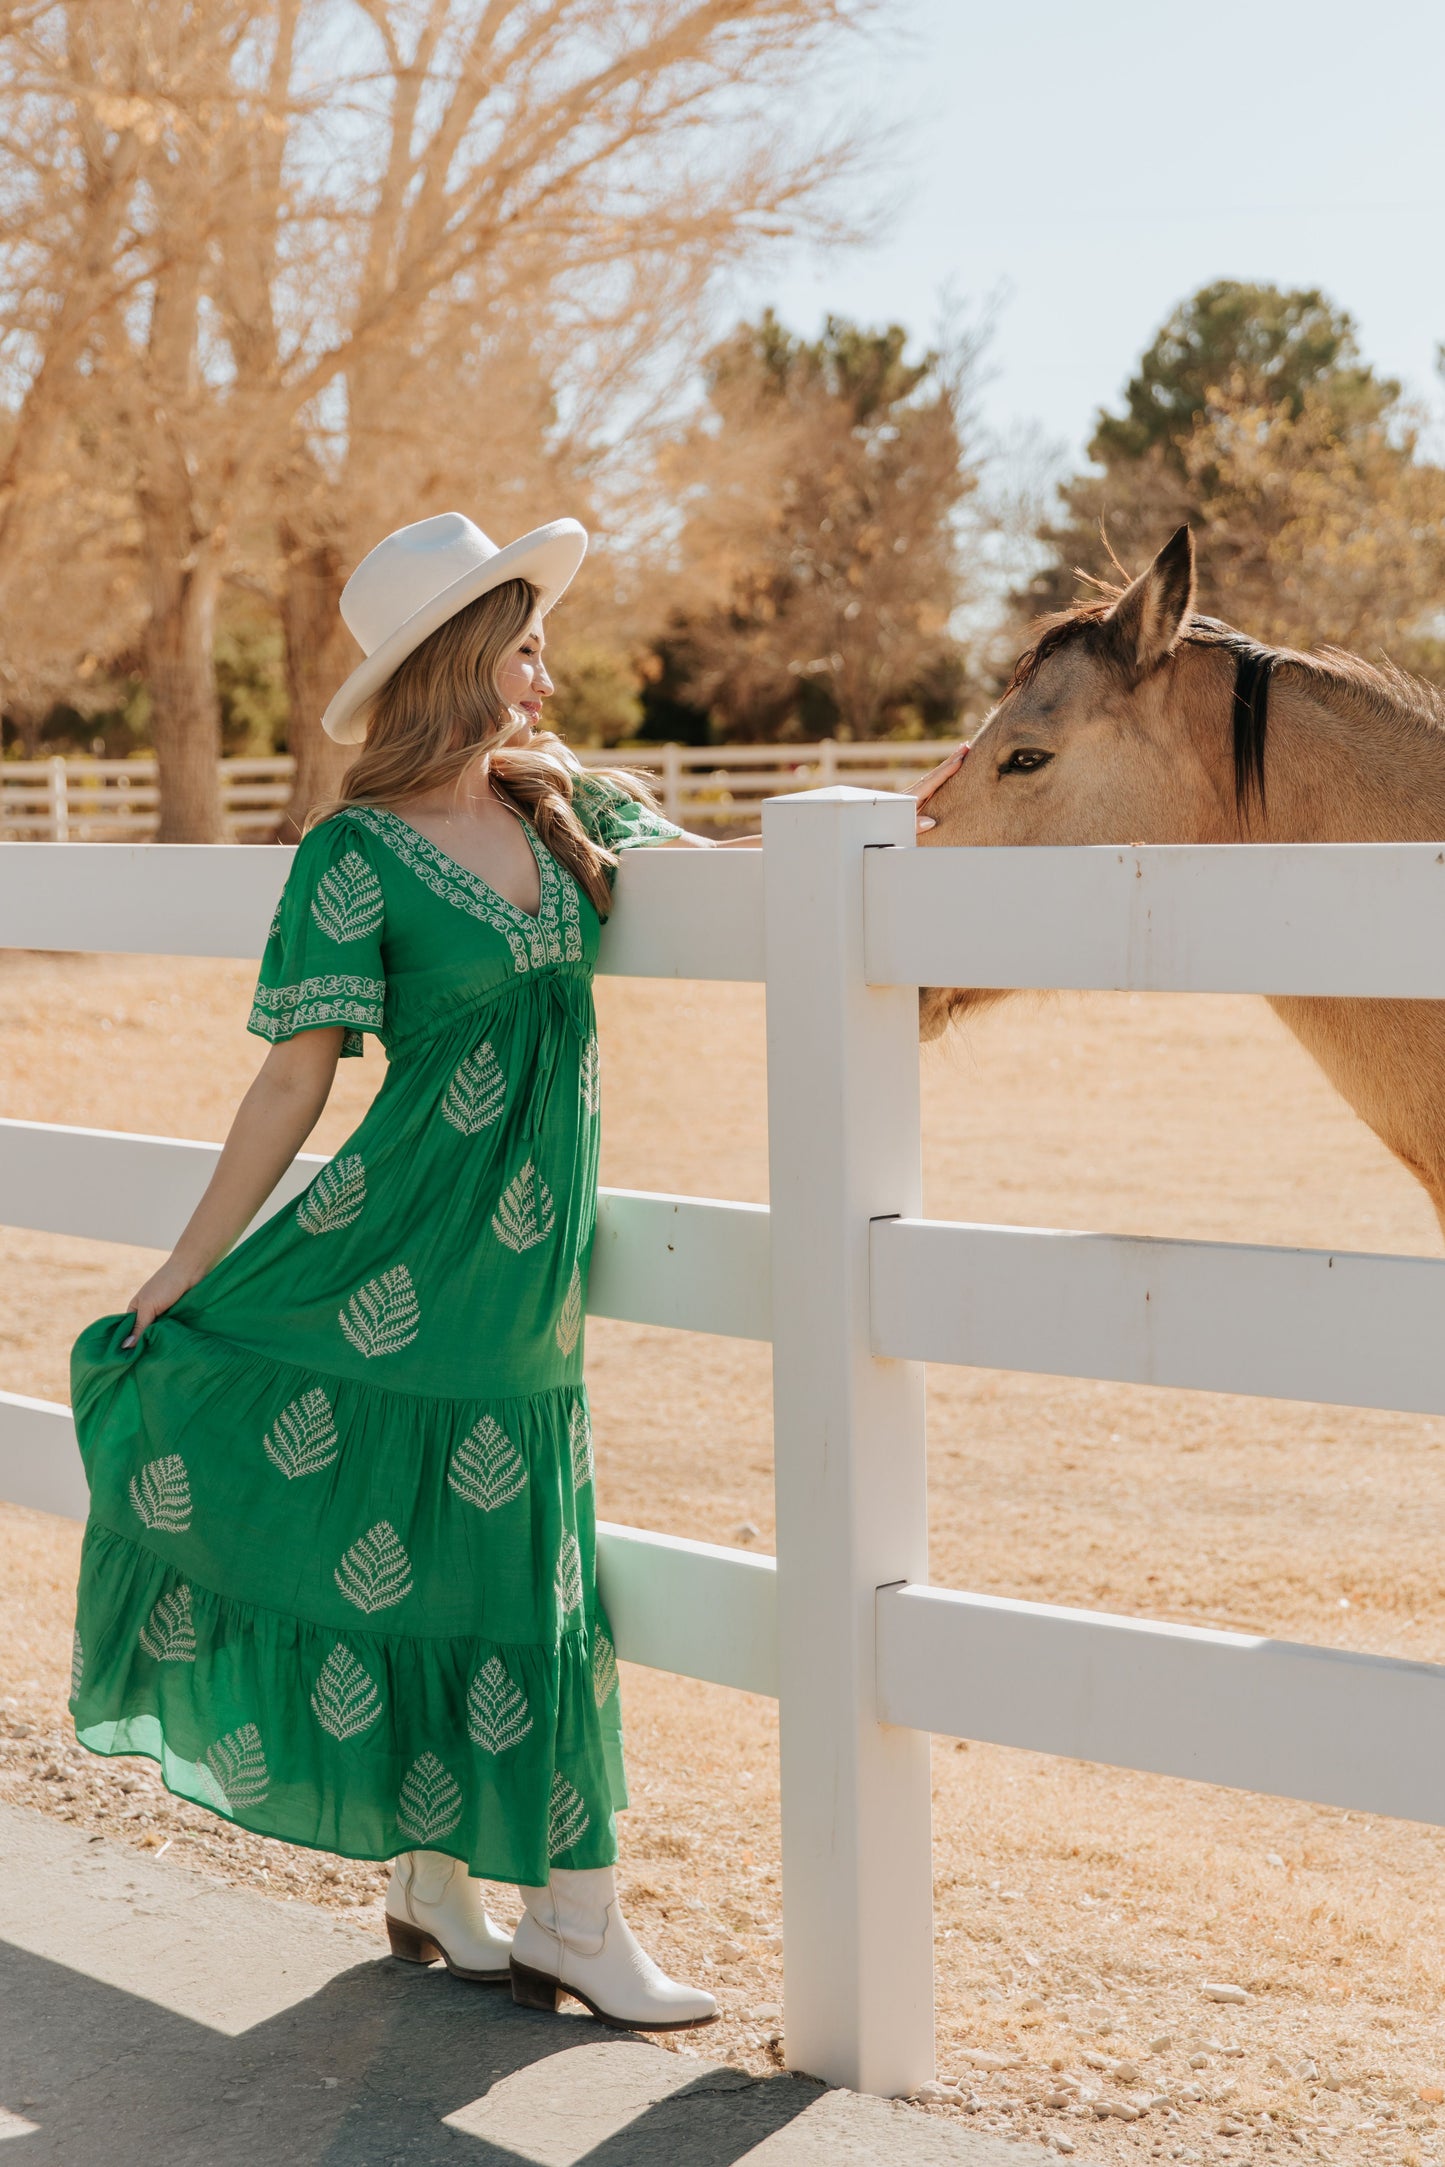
[(152, 2018)]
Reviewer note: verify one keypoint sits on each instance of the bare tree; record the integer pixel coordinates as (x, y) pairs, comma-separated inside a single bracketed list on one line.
[(285, 239), (584, 167), (120, 118), (66, 260)]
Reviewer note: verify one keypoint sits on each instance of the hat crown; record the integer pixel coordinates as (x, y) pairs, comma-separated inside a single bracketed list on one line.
[(407, 571)]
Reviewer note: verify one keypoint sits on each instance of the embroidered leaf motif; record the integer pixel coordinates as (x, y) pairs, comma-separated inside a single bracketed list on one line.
[(238, 1765), (569, 1576), (169, 1633), (569, 1323), (346, 1701), (525, 1215), (334, 1198), (498, 1717), (77, 1664), (161, 1495), (486, 1468), (348, 902), (567, 1817), (580, 1427), (430, 1804), (303, 1438), (604, 1668), (592, 1077), (477, 1093), (384, 1315), (376, 1571)]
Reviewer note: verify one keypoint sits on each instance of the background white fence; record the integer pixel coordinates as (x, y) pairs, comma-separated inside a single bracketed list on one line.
[(843, 919), (707, 786)]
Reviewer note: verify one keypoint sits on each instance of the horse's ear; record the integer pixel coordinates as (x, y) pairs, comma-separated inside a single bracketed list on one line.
[(1149, 616)]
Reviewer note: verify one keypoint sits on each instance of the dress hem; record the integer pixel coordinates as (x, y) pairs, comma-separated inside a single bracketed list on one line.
[(303, 1843)]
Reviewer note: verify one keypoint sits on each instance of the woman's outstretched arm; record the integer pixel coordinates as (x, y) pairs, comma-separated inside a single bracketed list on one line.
[(272, 1122), (922, 790)]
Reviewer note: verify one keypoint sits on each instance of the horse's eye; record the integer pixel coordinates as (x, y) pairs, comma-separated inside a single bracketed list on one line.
[(1025, 761)]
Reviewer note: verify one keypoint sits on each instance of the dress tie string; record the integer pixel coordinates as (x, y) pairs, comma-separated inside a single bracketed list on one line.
[(562, 1009)]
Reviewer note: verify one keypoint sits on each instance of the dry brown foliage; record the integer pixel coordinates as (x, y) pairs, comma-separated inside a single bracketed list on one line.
[(321, 265), (819, 552), (1314, 528)]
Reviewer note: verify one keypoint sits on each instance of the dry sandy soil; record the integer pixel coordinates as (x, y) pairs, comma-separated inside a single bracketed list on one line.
[(1079, 1910)]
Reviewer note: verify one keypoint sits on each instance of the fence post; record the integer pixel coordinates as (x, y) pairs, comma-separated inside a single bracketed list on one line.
[(59, 788), (843, 1142), (672, 782)]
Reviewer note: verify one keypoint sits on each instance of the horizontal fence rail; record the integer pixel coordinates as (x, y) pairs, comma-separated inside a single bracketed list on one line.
[(1333, 1326), (1363, 919), (679, 1261), (1323, 1724), (1349, 919), (86, 801), (679, 914), (39, 1457), (94, 800), (1299, 1324), (693, 1608)]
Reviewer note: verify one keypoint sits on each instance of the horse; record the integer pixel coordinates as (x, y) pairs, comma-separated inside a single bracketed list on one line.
[(1130, 719)]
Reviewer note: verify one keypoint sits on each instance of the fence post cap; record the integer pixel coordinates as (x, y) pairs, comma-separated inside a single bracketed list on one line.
[(838, 794)]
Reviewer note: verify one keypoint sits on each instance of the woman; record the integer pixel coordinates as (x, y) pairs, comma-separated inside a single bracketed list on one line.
[(338, 1577)]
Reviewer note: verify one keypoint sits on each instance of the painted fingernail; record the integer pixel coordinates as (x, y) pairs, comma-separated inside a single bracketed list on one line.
[(926, 822), (129, 1342)]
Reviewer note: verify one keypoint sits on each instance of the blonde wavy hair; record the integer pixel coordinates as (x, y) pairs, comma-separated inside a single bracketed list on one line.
[(441, 711)]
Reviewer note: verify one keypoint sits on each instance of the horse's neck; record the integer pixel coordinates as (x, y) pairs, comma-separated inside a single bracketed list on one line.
[(1338, 773)]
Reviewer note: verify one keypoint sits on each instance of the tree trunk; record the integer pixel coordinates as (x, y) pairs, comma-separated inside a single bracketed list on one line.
[(319, 653), (26, 719), (179, 669)]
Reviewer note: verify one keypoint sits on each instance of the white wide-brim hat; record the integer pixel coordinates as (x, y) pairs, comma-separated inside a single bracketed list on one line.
[(421, 575)]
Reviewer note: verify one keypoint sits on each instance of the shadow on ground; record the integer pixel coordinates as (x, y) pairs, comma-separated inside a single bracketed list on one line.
[(152, 2017), (365, 2072)]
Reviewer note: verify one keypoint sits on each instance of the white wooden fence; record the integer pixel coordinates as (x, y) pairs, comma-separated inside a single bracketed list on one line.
[(843, 919), (709, 786)]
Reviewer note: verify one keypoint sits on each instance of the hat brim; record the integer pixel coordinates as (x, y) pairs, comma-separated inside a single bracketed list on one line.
[(548, 557)]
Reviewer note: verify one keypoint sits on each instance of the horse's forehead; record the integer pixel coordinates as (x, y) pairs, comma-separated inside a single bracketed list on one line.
[(1062, 681)]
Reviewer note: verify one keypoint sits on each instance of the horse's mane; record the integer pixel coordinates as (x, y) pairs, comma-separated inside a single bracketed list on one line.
[(1381, 691)]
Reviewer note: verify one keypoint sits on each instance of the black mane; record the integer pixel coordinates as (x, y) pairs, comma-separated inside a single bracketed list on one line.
[(1253, 668)]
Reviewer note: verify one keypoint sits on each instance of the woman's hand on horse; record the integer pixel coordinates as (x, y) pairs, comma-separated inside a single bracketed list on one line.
[(935, 780)]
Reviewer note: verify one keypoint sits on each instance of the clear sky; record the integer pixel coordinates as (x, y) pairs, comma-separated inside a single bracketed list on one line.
[(1091, 166)]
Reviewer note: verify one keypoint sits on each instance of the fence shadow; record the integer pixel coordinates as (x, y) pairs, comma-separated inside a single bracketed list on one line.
[(383, 2064)]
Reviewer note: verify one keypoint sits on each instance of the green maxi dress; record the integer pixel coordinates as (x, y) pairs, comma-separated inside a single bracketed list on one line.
[(339, 1573)]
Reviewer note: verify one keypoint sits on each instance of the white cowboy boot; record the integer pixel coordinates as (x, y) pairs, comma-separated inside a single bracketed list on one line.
[(573, 1939), (434, 1909)]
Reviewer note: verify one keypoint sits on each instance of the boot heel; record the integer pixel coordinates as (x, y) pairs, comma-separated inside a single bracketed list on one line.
[(411, 1945), (533, 1989)]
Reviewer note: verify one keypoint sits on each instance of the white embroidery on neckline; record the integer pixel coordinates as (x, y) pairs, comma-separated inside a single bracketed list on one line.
[(554, 935)]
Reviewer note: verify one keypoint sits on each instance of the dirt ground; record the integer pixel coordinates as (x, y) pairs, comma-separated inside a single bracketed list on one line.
[(1080, 1911)]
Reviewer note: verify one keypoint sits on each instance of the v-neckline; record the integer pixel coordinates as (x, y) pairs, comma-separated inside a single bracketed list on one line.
[(543, 858)]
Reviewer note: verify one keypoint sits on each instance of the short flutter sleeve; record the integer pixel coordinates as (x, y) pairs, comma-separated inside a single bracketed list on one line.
[(615, 820), (322, 965)]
